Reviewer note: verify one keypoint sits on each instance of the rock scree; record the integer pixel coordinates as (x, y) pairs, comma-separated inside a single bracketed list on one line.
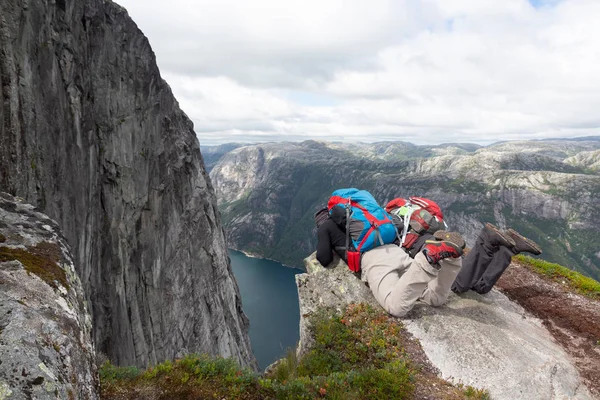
[(485, 341), (46, 349), (91, 135)]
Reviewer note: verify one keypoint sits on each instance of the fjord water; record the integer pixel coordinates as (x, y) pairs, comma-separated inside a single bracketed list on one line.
[(270, 300)]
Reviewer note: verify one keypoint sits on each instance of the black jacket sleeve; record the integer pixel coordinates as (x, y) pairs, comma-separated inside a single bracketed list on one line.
[(324, 249)]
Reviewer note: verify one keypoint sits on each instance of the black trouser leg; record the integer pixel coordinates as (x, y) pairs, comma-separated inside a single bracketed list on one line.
[(474, 264), (500, 261)]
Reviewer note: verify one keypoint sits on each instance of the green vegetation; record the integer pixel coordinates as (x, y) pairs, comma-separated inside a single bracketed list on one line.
[(193, 377), (359, 354), (2, 238), (581, 284), (41, 260)]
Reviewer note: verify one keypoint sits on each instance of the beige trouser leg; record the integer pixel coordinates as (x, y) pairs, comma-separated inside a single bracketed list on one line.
[(438, 289), (397, 281)]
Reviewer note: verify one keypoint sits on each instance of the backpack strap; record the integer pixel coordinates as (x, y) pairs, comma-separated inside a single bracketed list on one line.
[(406, 222), (348, 205)]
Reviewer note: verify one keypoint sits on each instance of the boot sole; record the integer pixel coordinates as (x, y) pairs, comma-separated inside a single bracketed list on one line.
[(528, 242), (452, 237), (509, 241)]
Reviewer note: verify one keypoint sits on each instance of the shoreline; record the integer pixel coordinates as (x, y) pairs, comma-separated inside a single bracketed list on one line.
[(253, 255)]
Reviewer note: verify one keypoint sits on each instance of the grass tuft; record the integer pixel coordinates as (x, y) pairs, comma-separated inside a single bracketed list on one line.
[(578, 282)]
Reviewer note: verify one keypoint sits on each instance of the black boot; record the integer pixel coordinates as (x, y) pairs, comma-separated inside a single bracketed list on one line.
[(496, 237), (522, 244)]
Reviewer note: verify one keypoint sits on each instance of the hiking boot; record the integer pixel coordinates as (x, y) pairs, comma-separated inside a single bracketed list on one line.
[(453, 237), (496, 237), (435, 251), (523, 244)]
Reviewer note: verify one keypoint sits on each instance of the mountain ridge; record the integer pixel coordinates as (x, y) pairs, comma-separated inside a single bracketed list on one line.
[(544, 189)]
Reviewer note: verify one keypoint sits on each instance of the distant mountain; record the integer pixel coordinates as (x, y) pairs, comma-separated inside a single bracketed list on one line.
[(548, 190), (212, 154)]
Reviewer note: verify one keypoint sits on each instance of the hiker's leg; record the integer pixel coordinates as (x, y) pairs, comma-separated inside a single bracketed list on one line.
[(498, 265), (409, 288), (382, 268), (438, 289), (474, 264)]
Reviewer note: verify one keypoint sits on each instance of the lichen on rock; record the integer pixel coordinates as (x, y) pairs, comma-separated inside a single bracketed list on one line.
[(46, 349)]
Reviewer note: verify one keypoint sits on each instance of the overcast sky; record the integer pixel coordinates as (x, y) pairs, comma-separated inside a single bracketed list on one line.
[(367, 70)]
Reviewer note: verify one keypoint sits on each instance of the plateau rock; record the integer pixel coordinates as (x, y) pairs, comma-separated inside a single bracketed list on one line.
[(486, 341)]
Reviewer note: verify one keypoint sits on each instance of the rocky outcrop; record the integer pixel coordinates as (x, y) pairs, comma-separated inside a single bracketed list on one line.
[(92, 135), (334, 287), (484, 341), (46, 349), (269, 192)]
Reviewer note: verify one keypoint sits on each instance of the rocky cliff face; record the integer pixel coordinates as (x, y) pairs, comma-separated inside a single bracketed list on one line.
[(93, 136), (46, 349), (547, 190), (212, 154)]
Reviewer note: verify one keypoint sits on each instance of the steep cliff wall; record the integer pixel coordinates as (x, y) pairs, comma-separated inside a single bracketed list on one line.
[(91, 134), (46, 349)]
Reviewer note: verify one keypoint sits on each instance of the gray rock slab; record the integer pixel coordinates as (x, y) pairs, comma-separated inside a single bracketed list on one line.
[(46, 349), (491, 342), (485, 341)]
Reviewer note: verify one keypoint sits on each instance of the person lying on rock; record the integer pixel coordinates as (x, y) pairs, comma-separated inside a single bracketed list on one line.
[(396, 280), (483, 265)]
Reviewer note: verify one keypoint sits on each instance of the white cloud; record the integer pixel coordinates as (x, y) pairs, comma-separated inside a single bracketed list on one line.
[(427, 71)]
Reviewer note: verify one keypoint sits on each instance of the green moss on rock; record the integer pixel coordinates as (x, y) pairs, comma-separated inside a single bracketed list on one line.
[(41, 260)]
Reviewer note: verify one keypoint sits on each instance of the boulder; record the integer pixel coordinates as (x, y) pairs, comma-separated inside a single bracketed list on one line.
[(46, 349)]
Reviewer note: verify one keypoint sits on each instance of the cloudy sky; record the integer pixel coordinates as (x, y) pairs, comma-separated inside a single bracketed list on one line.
[(425, 71)]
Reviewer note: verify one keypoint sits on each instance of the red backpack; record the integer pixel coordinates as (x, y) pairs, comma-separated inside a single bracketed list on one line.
[(419, 215)]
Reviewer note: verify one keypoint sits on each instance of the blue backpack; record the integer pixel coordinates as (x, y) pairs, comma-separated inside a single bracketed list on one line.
[(367, 224)]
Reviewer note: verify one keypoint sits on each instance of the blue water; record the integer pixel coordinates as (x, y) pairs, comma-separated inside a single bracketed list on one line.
[(270, 300)]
